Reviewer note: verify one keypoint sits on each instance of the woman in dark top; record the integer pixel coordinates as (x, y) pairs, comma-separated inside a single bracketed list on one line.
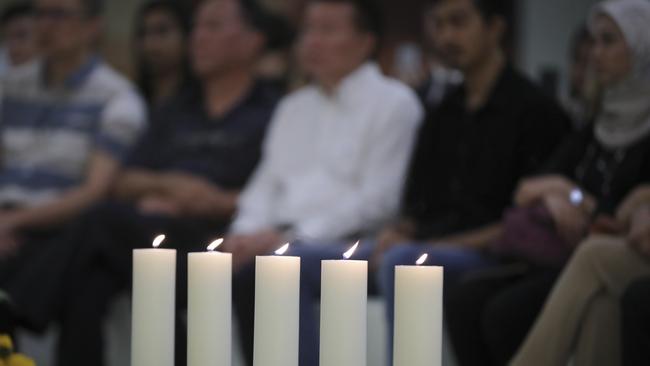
[(589, 177), (162, 29)]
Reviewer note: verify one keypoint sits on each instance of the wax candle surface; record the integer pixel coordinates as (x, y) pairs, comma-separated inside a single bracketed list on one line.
[(418, 316), (277, 299), (209, 309), (343, 320), (153, 307)]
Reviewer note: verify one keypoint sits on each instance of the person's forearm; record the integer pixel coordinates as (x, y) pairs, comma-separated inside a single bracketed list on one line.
[(134, 184), (479, 238), (534, 189), (58, 212), (226, 204)]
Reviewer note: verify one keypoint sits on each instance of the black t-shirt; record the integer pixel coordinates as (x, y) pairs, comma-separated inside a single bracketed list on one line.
[(466, 165), (225, 150)]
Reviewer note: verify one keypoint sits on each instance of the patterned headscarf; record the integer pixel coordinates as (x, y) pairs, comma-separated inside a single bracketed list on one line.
[(625, 115)]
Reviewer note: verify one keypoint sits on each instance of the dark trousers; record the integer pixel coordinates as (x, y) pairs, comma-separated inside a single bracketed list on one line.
[(107, 235), (636, 323), (489, 314), (457, 262), (37, 276), (311, 256)]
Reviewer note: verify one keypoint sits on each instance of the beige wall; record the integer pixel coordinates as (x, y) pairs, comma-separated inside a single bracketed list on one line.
[(118, 25)]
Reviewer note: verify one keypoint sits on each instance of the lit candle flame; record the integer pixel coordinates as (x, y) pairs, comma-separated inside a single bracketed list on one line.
[(348, 254), (282, 250), (422, 259), (215, 244), (158, 240)]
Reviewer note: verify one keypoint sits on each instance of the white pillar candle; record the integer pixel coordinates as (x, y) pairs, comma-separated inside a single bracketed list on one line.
[(277, 313), (153, 308), (209, 309), (418, 315), (343, 319)]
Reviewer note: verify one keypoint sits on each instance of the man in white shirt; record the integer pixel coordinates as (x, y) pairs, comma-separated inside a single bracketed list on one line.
[(333, 163)]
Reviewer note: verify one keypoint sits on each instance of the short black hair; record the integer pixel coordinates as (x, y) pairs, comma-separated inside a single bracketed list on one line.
[(173, 8), (276, 29), (279, 34), (489, 9), (16, 10), (181, 16), (368, 15)]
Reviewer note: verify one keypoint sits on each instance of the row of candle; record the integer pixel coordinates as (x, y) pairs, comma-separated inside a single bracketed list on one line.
[(418, 310)]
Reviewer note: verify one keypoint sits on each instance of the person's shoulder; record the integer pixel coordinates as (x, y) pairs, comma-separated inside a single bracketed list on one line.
[(300, 95), (395, 95), (298, 101), (180, 105), (523, 89), (112, 88), (397, 89), (534, 101), (268, 91), (382, 85), (108, 80), (387, 93)]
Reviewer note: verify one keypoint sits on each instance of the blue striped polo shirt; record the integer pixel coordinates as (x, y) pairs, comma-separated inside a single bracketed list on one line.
[(48, 134)]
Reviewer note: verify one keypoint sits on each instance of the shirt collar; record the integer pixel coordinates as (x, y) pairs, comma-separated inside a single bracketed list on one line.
[(502, 92), (78, 77), (355, 82), (252, 96), (500, 96)]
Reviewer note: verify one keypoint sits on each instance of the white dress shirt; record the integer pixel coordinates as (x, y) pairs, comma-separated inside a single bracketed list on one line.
[(334, 164)]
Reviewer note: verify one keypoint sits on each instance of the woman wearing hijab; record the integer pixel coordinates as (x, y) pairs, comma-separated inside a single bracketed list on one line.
[(581, 317), (587, 180)]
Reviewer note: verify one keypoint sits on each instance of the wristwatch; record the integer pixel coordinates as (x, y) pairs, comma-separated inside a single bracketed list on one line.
[(576, 197)]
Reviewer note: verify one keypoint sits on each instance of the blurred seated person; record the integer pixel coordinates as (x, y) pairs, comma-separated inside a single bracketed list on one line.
[(589, 177), (182, 180), (491, 131), (441, 79), (581, 317), (205, 142), (582, 101), (67, 124), (18, 39), (333, 162), (160, 47), (635, 318)]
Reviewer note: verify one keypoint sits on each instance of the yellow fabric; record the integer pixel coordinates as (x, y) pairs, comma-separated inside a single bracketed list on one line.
[(19, 360), (5, 342), (14, 359)]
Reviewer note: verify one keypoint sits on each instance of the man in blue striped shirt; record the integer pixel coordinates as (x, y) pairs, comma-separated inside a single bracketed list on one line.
[(66, 122)]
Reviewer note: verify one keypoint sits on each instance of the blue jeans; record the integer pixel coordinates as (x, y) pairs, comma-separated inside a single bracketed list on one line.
[(456, 262), (310, 280)]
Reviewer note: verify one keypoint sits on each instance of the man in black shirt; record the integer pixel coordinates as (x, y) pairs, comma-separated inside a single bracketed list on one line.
[(183, 179), (487, 134)]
